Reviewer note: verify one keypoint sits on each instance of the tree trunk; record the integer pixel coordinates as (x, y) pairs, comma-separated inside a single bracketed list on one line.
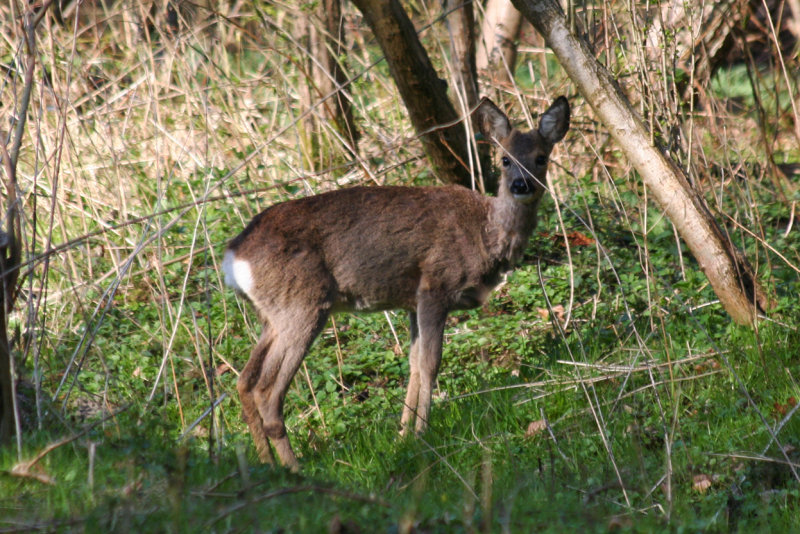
[(703, 44), (729, 273), (461, 27), (328, 74), (424, 94), (6, 391), (308, 127), (11, 235), (497, 48), (320, 32), (793, 24), (6, 377)]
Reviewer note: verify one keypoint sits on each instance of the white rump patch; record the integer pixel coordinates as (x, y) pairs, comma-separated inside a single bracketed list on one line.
[(237, 272)]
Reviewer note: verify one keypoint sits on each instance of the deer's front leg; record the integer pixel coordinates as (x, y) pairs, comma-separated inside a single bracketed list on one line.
[(412, 394), (431, 317)]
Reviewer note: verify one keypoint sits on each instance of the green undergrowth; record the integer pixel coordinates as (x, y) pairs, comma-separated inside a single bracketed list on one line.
[(647, 410), (477, 463)]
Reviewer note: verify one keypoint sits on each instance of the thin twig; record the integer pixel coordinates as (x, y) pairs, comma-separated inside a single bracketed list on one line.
[(24, 469)]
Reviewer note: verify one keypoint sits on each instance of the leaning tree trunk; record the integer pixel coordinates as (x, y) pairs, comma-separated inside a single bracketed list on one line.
[(424, 94), (729, 273)]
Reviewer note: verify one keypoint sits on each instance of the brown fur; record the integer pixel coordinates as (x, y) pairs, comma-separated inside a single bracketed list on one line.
[(428, 250)]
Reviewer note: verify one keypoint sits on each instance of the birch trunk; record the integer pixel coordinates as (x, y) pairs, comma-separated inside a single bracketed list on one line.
[(461, 25), (727, 271), (497, 48)]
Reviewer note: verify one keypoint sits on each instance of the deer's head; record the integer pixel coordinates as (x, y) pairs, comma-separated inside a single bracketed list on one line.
[(523, 155)]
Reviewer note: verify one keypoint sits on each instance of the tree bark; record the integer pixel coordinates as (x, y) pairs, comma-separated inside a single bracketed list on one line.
[(460, 20), (497, 48), (11, 237), (424, 94), (729, 273), (461, 27), (320, 32), (6, 377), (303, 27), (794, 20), (327, 72), (342, 107), (703, 44)]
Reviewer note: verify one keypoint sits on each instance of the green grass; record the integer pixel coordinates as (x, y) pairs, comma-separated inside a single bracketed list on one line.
[(621, 413)]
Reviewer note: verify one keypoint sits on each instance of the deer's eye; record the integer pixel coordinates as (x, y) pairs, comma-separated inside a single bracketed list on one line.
[(506, 161), (541, 160)]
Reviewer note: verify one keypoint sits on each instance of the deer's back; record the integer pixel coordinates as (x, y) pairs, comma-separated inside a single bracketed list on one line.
[(371, 247)]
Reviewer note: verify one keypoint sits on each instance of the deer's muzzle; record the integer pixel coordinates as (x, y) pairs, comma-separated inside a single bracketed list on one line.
[(522, 188)]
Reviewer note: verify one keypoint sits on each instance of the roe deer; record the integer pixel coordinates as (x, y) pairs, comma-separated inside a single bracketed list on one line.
[(428, 250)]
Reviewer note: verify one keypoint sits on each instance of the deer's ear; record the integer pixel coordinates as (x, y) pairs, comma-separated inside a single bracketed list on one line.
[(492, 122), (554, 123)]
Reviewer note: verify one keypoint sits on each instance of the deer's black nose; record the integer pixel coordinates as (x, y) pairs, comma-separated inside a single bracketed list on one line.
[(522, 187)]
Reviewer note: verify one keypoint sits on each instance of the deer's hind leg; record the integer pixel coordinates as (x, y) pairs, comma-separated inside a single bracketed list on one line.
[(293, 310), (294, 334), (248, 379)]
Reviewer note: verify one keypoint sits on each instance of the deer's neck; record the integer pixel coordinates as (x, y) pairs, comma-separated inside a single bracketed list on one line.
[(510, 226)]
